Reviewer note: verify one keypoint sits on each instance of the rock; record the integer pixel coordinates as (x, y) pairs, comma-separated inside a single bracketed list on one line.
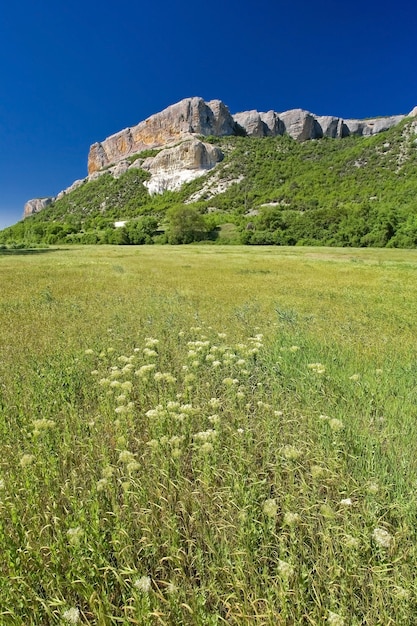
[(333, 127), (260, 124), (365, 128), (413, 113), (188, 117), (252, 123), (75, 185), (301, 125), (36, 205), (275, 124), (172, 167)]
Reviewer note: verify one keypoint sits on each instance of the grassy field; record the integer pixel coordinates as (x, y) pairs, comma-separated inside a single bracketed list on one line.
[(203, 435)]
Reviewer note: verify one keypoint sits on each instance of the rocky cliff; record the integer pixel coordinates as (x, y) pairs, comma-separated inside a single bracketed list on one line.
[(36, 205), (188, 117), (194, 116), (177, 132)]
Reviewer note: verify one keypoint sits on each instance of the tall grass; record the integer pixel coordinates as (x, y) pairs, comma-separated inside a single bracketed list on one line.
[(196, 436)]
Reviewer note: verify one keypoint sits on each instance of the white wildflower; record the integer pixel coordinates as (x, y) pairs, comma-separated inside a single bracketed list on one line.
[(346, 502), (107, 471), (382, 537), (291, 453), (71, 615), (126, 456), (143, 584), (133, 466), (149, 353), (336, 424), (145, 369), (89, 351), (102, 484), (26, 460), (317, 471), (285, 569), (206, 435), (270, 507), (291, 518)]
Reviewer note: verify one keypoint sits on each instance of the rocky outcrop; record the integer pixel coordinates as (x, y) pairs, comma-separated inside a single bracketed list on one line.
[(275, 125), (333, 127), (194, 116), (36, 205), (172, 167), (368, 127), (301, 125), (252, 123), (191, 116)]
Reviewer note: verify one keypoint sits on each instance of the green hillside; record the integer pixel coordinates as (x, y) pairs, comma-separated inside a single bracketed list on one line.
[(342, 192)]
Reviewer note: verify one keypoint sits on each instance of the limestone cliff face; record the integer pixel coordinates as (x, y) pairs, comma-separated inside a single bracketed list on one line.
[(36, 205), (191, 116), (303, 125), (194, 116), (172, 167)]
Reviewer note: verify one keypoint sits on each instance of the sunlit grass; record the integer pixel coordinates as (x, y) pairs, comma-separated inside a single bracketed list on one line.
[(204, 436)]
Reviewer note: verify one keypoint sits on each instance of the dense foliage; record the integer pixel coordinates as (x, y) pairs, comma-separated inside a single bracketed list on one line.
[(351, 192)]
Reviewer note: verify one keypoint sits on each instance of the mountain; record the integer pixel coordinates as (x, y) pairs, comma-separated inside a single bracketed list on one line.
[(290, 177)]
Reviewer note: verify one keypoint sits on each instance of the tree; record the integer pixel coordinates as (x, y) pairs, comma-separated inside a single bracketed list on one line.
[(185, 225)]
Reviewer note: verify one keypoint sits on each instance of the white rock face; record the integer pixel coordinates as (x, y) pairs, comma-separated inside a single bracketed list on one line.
[(333, 127), (300, 125), (252, 122), (36, 205), (173, 167)]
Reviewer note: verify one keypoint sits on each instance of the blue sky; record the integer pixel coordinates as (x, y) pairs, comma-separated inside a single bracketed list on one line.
[(74, 73)]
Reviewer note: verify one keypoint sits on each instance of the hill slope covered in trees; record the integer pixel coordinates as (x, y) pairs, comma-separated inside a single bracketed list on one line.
[(355, 191)]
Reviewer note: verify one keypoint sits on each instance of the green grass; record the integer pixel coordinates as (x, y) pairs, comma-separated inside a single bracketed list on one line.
[(206, 436)]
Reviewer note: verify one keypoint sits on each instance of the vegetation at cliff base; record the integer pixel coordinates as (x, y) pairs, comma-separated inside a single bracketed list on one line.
[(208, 436), (356, 191)]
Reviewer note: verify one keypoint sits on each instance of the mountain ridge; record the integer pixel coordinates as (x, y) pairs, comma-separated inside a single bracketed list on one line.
[(193, 117)]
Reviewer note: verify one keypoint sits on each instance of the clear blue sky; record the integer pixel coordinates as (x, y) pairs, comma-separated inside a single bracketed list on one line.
[(73, 73)]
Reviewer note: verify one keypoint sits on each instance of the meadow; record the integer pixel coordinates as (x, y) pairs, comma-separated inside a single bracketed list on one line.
[(206, 435)]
